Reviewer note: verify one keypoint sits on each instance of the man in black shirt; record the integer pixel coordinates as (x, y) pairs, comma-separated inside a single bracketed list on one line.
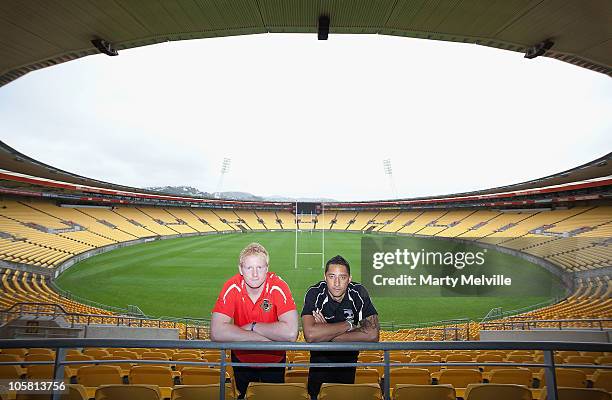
[(337, 310)]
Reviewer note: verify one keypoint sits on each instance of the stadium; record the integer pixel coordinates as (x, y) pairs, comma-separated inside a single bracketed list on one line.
[(109, 288)]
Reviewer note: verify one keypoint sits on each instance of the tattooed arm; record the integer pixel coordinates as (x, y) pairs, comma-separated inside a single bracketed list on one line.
[(367, 331)]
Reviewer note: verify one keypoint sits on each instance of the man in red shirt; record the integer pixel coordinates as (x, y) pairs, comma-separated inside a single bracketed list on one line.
[(255, 305)]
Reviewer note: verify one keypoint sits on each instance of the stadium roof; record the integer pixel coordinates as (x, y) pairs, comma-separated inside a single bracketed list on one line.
[(36, 35)]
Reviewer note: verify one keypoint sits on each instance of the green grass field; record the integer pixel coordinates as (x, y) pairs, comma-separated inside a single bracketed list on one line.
[(182, 277)]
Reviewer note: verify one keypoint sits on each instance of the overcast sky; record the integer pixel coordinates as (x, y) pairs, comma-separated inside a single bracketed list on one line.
[(307, 118)]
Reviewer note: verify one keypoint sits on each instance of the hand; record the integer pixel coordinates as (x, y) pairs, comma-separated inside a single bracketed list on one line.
[(318, 317)]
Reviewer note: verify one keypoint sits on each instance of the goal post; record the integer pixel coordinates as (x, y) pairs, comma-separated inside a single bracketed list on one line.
[(305, 215)]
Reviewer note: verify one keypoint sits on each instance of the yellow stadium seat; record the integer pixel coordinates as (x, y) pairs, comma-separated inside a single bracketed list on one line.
[(40, 357), (40, 371), (179, 355), (517, 376), (201, 376), (460, 378), (366, 375), (570, 393), (411, 376), (488, 391), (179, 367), (492, 358), (296, 376), (421, 392), (602, 379), (341, 391), (97, 375), (201, 392), (40, 350), (276, 391), (125, 367), (96, 353), (73, 392), (429, 359), (567, 377), (71, 370), (20, 352), (131, 392), (151, 375), (11, 371), (604, 360)]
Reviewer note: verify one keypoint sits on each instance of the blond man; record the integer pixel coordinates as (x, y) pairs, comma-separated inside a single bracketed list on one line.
[(255, 305)]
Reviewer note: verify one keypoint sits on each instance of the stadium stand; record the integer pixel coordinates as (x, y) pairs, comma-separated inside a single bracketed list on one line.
[(575, 239), (41, 233)]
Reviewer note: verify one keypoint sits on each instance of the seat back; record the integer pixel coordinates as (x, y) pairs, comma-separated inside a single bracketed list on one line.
[(483, 358), (517, 376), (568, 378), (40, 357), (361, 391), (520, 358), (411, 376), (11, 372), (125, 367), (40, 350), (602, 379), (460, 378), (566, 393), (366, 375), (276, 391), (97, 375), (20, 352), (180, 367), (201, 376), (200, 392), (40, 371), (604, 360), (96, 353), (429, 359), (429, 392), (488, 391), (131, 392), (151, 375), (296, 376), (75, 392)]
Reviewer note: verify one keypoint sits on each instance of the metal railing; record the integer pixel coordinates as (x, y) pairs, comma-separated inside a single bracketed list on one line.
[(548, 348), (192, 328), (529, 324)]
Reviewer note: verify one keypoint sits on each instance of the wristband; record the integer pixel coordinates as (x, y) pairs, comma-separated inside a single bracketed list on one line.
[(350, 326), (253, 326)]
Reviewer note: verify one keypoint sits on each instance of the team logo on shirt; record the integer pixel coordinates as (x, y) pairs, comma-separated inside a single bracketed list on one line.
[(348, 315), (266, 305)]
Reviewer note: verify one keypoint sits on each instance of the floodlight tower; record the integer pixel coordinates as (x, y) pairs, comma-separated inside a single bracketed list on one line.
[(389, 172), (224, 170)]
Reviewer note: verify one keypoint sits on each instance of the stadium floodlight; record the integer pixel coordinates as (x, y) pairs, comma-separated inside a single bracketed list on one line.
[(105, 47), (323, 31), (389, 172), (539, 49), (225, 166)]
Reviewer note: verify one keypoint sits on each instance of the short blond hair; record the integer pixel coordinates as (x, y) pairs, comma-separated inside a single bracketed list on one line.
[(252, 250)]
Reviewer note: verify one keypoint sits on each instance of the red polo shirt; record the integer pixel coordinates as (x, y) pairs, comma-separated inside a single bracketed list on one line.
[(275, 300)]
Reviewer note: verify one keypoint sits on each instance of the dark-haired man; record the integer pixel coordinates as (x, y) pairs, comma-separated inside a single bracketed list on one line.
[(338, 310)]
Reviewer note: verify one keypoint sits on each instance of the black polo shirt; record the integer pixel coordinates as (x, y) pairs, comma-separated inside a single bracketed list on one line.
[(355, 306)]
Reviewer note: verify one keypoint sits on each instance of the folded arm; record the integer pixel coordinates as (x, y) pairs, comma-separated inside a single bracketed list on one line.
[(222, 329), (322, 331), (285, 330), (368, 331)]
